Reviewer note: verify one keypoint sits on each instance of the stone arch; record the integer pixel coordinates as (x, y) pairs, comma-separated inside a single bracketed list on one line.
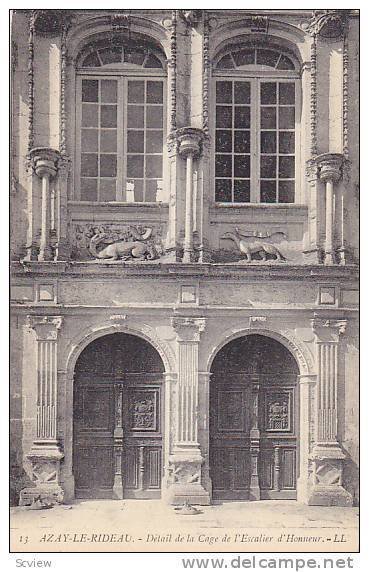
[(80, 342), (287, 37), (299, 352), (99, 26)]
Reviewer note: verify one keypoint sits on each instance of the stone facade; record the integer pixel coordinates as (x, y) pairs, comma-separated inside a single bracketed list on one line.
[(166, 272)]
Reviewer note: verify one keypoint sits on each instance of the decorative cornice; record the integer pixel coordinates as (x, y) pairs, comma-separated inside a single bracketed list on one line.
[(188, 329), (46, 327), (329, 23)]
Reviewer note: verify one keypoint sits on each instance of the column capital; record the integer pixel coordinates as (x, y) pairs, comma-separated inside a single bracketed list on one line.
[(328, 329), (46, 327), (186, 141), (188, 329), (44, 161), (330, 24), (329, 166)]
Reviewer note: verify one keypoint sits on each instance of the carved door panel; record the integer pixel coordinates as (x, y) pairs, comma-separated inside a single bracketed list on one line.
[(230, 437), (278, 424), (93, 439), (142, 457)]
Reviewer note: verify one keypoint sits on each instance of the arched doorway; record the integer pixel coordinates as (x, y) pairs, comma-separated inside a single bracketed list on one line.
[(118, 420), (254, 420)]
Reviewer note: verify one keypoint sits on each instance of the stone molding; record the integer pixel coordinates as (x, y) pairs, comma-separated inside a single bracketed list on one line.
[(188, 329)]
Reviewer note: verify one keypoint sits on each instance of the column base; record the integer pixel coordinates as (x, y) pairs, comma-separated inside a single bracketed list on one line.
[(327, 490), (313, 256), (184, 482), (45, 461)]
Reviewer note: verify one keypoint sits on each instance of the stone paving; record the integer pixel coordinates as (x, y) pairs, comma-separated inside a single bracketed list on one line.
[(143, 526)]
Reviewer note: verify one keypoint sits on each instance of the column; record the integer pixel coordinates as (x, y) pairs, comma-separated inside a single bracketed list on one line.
[(189, 140), (186, 459), (306, 388), (329, 166), (45, 453), (255, 442), (328, 456), (45, 163)]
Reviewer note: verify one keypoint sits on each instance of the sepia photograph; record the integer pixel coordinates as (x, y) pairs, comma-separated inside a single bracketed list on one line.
[(184, 264)]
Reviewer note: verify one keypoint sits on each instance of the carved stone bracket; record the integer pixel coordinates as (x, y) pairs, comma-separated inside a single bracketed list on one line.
[(328, 23)]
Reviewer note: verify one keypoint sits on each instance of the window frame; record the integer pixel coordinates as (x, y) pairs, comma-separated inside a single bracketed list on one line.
[(256, 77), (122, 75)]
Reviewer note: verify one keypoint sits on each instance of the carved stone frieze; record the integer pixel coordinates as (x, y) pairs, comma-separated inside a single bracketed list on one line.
[(257, 245), (115, 241)]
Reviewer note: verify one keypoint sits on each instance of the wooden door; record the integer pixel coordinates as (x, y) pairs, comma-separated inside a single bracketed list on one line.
[(142, 435), (118, 432), (253, 424), (230, 437), (93, 438)]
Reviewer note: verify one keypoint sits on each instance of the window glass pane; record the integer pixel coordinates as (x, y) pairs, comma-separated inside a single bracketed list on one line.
[(153, 62), (225, 62), (134, 56), (242, 141), (268, 142), (241, 92), (153, 189), (108, 191), (90, 90), (268, 192), (154, 141), (286, 192), (223, 116), (89, 165), (286, 117), (241, 191), (135, 166), (286, 142), (134, 191), (224, 91), (108, 91), (135, 141), (223, 165), (154, 116), (110, 55), (223, 141), (286, 167), (108, 117), (267, 58), (89, 115), (241, 117), (108, 165), (88, 189), (154, 92), (268, 92), (286, 93), (136, 91), (285, 64), (268, 117), (108, 140), (89, 140), (154, 166), (267, 166), (244, 57), (223, 190), (91, 61), (242, 166), (135, 116)]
